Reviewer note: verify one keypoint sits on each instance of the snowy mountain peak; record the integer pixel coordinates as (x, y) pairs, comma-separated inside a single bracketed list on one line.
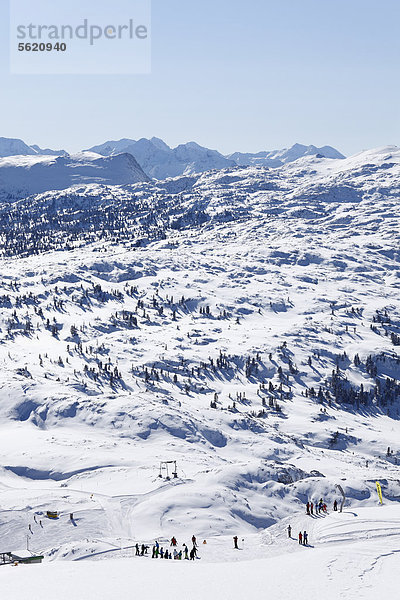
[(160, 144), (160, 161), (15, 147)]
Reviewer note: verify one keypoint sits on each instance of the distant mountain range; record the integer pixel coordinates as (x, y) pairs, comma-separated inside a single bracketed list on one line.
[(277, 158), (159, 161)]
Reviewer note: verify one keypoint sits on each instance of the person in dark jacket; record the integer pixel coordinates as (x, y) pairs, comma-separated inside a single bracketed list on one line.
[(235, 542)]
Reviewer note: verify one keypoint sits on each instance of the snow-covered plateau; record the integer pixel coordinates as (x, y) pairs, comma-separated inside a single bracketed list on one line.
[(243, 322)]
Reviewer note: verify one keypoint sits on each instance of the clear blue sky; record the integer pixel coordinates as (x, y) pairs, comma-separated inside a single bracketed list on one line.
[(233, 75)]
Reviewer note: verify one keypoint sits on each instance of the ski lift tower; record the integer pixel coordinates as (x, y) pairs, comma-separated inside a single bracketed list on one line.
[(340, 489), (164, 469)]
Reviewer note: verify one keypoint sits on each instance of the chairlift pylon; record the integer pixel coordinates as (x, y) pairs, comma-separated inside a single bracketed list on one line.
[(164, 469)]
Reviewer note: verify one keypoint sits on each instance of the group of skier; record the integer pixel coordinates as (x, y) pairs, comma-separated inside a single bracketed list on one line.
[(159, 552), (319, 507), (303, 536), (311, 509)]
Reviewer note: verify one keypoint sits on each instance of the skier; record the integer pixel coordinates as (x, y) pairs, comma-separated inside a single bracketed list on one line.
[(312, 508), (194, 541), (300, 538), (161, 552), (175, 554), (289, 531), (153, 554), (173, 541), (235, 542), (143, 550), (192, 553), (185, 549), (335, 505), (308, 508), (305, 538), (137, 549)]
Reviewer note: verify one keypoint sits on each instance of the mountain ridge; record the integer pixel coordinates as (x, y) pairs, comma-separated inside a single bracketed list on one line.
[(160, 161)]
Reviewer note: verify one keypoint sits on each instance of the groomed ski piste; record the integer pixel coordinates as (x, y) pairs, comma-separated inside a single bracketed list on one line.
[(255, 342)]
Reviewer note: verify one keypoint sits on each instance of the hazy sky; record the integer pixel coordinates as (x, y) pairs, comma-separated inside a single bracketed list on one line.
[(233, 75)]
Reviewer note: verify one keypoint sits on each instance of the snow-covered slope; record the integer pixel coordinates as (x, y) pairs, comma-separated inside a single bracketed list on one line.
[(21, 176), (353, 555), (277, 158), (243, 322)]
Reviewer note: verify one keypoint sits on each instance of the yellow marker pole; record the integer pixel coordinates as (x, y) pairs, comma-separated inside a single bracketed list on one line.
[(379, 490)]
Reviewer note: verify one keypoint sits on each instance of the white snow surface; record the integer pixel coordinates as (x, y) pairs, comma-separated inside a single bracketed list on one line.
[(294, 264), (351, 555)]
